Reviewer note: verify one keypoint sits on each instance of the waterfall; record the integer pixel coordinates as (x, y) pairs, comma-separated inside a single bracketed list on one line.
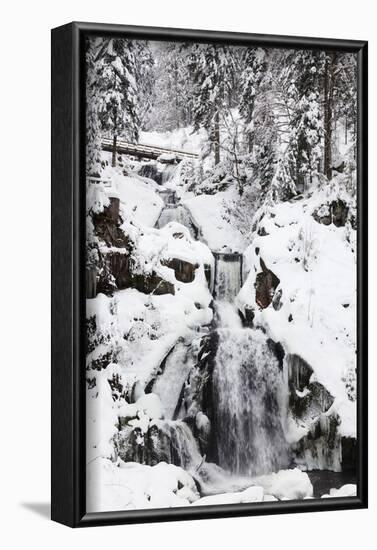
[(169, 385), (227, 315), (228, 278), (168, 172), (168, 196), (184, 447), (249, 392), (177, 213)]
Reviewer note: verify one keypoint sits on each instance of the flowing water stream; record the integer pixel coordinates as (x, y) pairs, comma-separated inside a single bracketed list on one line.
[(248, 385), (249, 391)]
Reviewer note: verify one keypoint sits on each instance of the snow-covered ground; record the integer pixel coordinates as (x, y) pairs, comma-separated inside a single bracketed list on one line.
[(210, 214), (130, 486), (316, 317)]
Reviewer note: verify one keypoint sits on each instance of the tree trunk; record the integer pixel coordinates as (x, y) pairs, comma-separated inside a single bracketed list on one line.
[(328, 112), (114, 154), (250, 141), (216, 137)]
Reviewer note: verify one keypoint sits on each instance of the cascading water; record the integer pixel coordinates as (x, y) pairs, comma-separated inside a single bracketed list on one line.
[(184, 447), (228, 276), (168, 196), (248, 390), (169, 384), (176, 213), (168, 173), (250, 406)]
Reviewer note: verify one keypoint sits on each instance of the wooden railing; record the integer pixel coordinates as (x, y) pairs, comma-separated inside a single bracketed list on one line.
[(143, 150)]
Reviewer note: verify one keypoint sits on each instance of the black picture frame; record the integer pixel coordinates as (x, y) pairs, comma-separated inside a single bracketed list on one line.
[(68, 276)]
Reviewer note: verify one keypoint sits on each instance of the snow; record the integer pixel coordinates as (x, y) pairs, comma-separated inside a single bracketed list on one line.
[(132, 486), (181, 139), (149, 361), (286, 484), (252, 494), (139, 198), (349, 490), (316, 265), (210, 214)]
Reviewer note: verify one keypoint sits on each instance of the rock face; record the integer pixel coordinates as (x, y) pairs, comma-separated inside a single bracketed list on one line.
[(148, 283), (184, 271), (349, 453), (321, 448), (247, 317), (117, 270), (265, 286), (107, 226), (91, 282), (165, 441), (335, 212), (199, 396), (307, 399), (151, 171), (309, 404)]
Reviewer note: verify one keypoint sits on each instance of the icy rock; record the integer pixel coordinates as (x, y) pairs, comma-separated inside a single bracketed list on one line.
[(321, 448)]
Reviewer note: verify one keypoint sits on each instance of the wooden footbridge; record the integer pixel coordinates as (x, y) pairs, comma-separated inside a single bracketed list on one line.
[(141, 150)]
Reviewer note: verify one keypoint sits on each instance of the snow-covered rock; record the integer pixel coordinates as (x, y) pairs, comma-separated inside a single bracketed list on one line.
[(286, 484), (252, 494), (130, 486), (349, 490)]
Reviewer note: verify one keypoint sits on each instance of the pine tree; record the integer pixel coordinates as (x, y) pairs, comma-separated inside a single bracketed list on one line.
[(303, 76), (172, 88), (211, 67), (145, 80), (119, 113), (253, 70), (93, 130), (282, 187)]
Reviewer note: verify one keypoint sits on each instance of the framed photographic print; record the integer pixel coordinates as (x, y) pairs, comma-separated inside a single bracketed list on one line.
[(209, 274)]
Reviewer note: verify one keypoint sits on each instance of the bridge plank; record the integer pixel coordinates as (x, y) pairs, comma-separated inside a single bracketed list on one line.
[(143, 150)]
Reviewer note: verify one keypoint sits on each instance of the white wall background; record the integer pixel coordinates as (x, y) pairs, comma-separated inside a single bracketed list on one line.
[(25, 272)]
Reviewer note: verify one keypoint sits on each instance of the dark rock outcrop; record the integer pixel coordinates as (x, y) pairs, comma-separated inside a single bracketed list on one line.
[(152, 283), (247, 317), (309, 404), (320, 449), (107, 226), (170, 442), (199, 394), (265, 285), (335, 212), (349, 453), (91, 282), (151, 171), (184, 271), (307, 399)]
